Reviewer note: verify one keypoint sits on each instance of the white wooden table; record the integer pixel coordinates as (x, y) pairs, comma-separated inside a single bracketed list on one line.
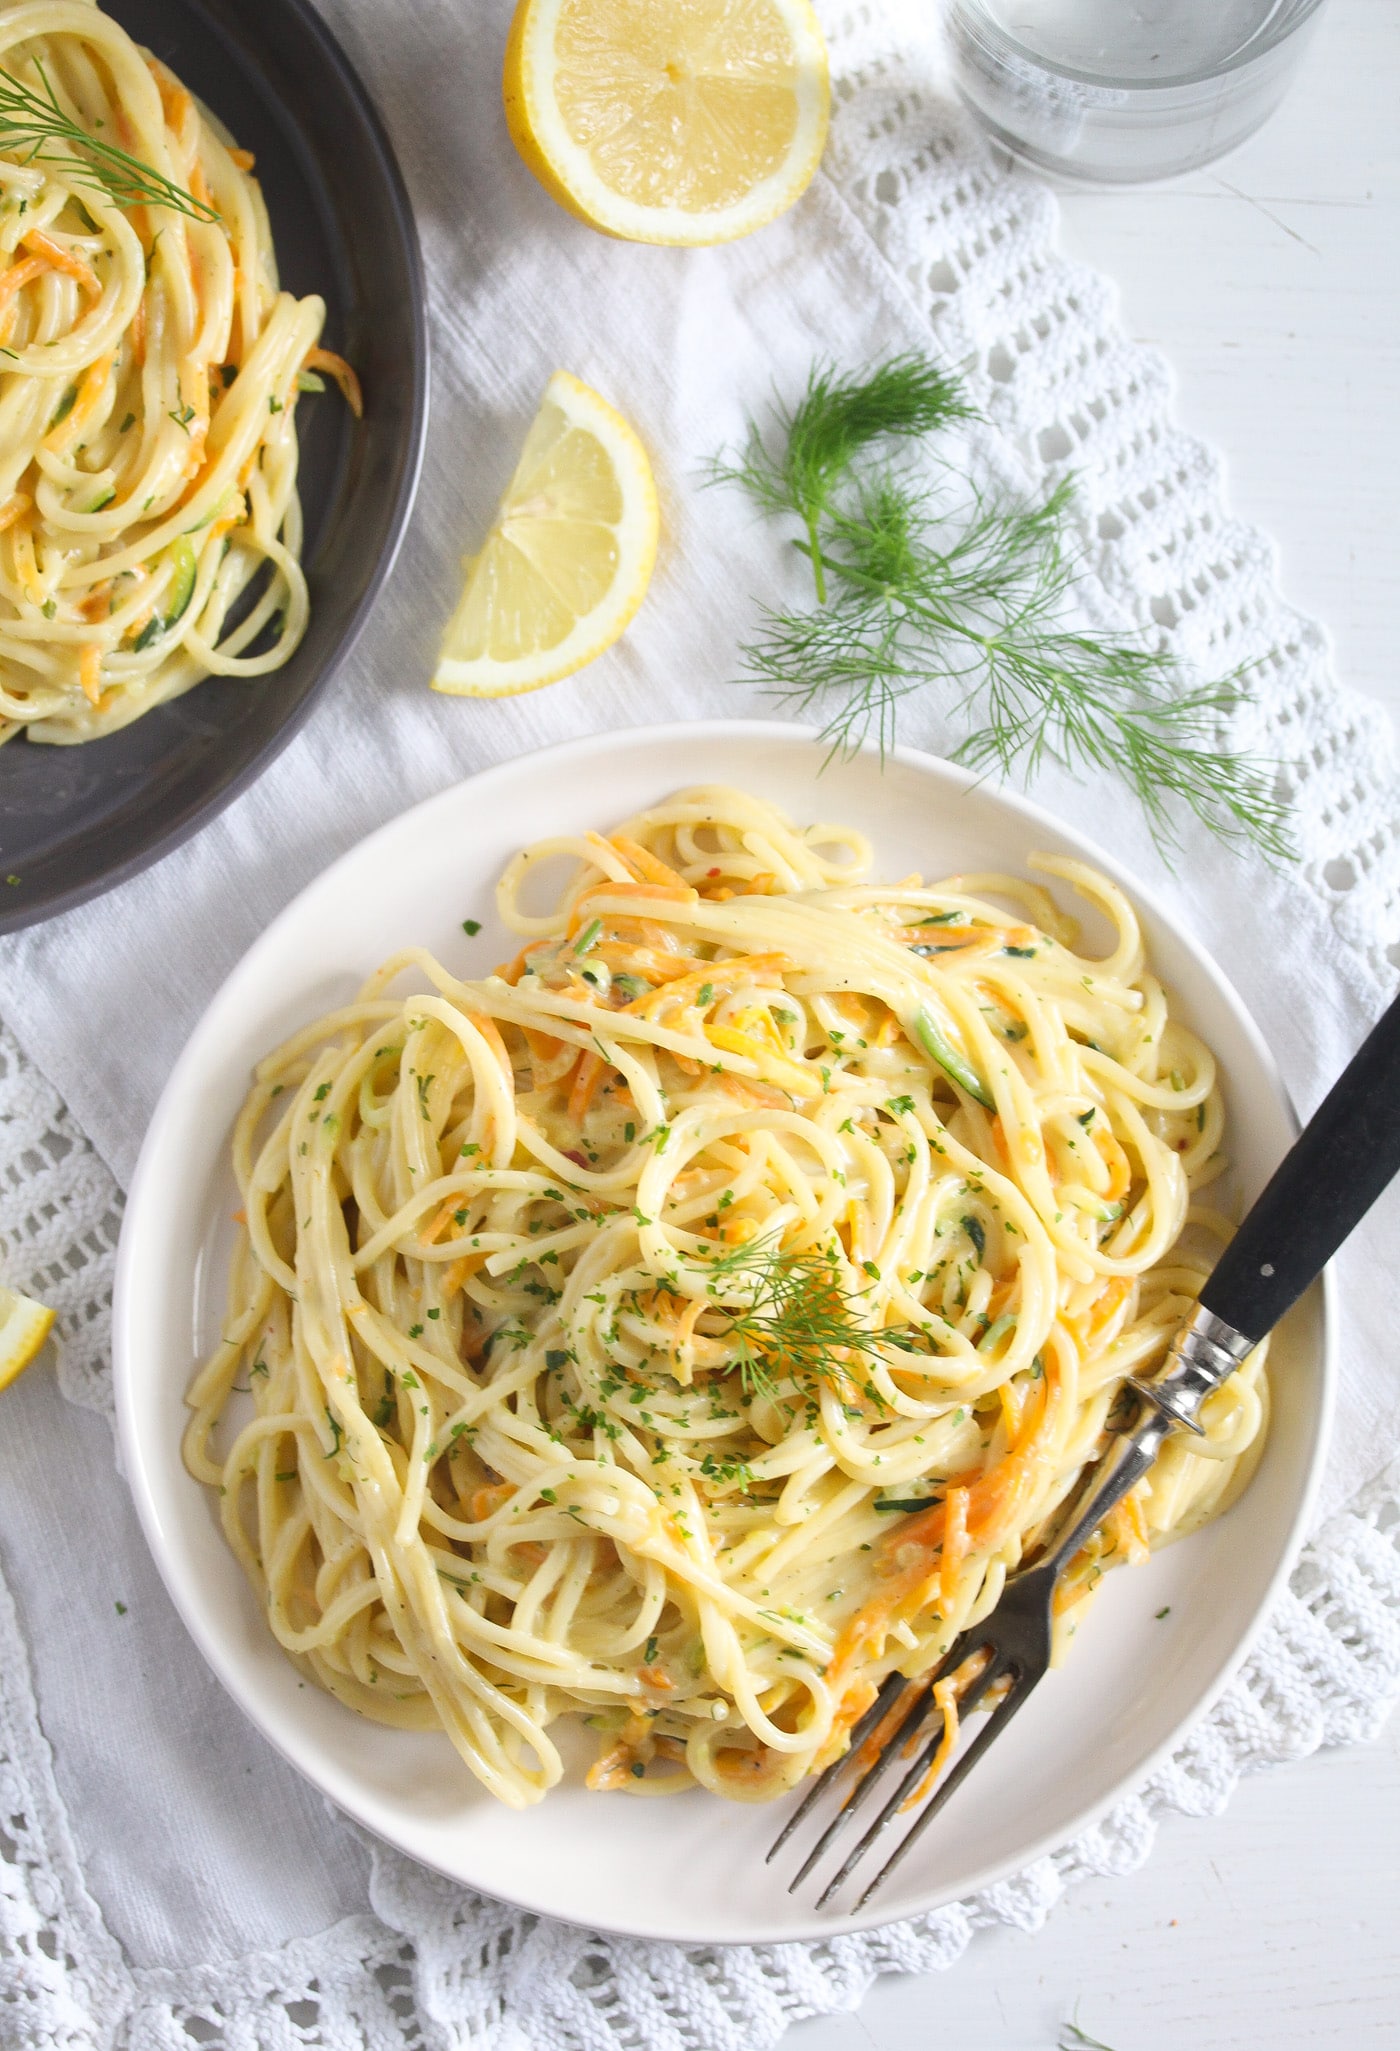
[(1272, 282)]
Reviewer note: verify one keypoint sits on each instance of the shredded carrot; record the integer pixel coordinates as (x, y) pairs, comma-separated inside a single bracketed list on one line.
[(626, 954), (1068, 1592), (1088, 1328), (955, 939), (89, 672), (740, 1768), (18, 502), (985, 1505), (61, 259), (457, 1274), (670, 893), (656, 1677), (1113, 1296), (888, 1030), (851, 1708), (511, 971), (1114, 1159), (486, 1500), (487, 1028), (175, 101), (779, 1069), (852, 1012), (645, 866), (543, 1046), (233, 518), (586, 1078), (19, 274), (954, 1547), (720, 978), (764, 884), (243, 159), (611, 1771), (945, 1700), (441, 1221), (1128, 1528), (738, 1231), (750, 1091), (137, 331), (684, 1333), (336, 367), (1010, 1407)]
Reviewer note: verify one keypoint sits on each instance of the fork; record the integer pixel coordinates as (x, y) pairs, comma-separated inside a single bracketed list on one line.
[(1325, 1184)]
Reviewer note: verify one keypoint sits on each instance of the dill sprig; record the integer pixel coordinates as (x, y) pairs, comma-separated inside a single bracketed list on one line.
[(800, 1323), (30, 120), (1072, 2038), (837, 419), (917, 586)]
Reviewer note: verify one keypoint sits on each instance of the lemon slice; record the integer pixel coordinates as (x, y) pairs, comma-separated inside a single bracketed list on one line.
[(24, 1326), (687, 122), (568, 559)]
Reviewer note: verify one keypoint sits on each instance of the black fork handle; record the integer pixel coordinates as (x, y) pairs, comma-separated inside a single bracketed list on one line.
[(1319, 1193)]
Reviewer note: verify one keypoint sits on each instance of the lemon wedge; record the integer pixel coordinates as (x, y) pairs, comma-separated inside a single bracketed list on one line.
[(692, 121), (568, 559), (24, 1326)]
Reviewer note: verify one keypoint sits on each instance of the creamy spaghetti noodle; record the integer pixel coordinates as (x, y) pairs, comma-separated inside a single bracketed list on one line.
[(149, 368), (700, 1317)]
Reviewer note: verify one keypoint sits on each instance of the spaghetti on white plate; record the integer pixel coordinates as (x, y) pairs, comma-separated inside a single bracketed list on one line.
[(149, 369), (701, 1316)]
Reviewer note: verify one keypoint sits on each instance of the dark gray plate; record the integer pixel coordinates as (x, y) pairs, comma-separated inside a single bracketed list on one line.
[(74, 821)]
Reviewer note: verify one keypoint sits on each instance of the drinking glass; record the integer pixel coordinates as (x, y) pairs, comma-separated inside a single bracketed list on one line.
[(1120, 91)]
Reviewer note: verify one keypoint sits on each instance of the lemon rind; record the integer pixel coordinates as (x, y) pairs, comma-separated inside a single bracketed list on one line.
[(35, 1321), (565, 169), (483, 676)]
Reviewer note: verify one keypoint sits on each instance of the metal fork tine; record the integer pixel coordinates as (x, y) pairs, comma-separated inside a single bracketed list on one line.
[(868, 1779), (993, 1727), (867, 1783), (1015, 1639), (891, 1688), (967, 1703)]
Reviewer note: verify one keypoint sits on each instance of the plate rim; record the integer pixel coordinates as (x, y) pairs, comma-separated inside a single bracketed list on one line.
[(21, 917), (133, 1453)]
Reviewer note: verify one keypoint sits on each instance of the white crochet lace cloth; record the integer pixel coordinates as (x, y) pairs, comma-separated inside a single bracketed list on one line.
[(388, 1956)]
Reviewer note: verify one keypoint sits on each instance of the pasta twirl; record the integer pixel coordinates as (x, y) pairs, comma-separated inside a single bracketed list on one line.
[(700, 1317), (149, 368)]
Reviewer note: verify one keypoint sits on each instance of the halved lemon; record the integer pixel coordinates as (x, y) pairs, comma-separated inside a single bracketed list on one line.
[(681, 121), (24, 1326), (568, 559)]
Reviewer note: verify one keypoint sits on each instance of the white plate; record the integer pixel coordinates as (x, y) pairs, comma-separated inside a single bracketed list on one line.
[(689, 1867)]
